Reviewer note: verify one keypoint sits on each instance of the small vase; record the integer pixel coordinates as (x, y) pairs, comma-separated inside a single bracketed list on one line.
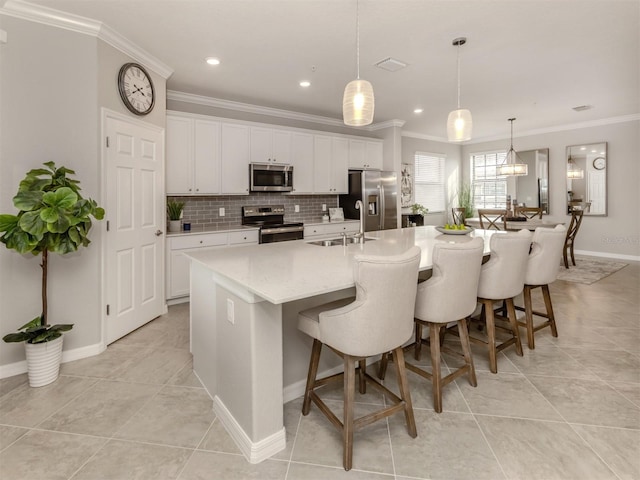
[(174, 225), (43, 362)]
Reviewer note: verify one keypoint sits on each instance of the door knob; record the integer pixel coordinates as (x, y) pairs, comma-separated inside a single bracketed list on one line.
[(158, 233)]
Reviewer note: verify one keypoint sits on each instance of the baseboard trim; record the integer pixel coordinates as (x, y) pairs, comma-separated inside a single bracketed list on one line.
[(617, 256), (18, 368), (254, 452)]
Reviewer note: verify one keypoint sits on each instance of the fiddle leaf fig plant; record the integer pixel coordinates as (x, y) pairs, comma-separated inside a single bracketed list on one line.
[(52, 217)]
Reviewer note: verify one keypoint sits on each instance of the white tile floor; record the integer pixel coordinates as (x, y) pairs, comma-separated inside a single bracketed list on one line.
[(570, 409)]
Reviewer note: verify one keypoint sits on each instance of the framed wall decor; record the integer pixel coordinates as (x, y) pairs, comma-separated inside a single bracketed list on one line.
[(406, 185)]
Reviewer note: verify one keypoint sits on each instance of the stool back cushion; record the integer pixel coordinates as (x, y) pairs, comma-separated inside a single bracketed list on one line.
[(545, 256), (451, 292), (381, 317), (503, 275)]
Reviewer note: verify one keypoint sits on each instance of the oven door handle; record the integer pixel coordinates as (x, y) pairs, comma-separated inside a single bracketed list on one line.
[(268, 231)]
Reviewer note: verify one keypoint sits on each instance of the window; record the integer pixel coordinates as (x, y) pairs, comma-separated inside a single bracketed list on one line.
[(489, 188), (429, 181)]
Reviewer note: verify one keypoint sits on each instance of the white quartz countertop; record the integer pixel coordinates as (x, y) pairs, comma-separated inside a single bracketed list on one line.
[(286, 271)]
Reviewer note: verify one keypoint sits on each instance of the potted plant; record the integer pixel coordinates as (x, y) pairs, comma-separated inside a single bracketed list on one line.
[(465, 199), (52, 217), (174, 211)]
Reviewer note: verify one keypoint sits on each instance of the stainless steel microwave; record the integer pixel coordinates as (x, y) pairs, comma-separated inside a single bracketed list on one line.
[(265, 177)]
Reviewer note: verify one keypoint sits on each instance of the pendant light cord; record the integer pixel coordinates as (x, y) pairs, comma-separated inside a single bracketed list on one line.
[(358, 38), (458, 60)]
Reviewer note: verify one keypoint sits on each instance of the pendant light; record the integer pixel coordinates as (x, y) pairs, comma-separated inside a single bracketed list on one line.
[(511, 166), (459, 123), (573, 171), (358, 102)]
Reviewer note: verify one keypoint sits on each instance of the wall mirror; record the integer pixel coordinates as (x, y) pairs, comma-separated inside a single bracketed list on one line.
[(532, 190), (587, 167)]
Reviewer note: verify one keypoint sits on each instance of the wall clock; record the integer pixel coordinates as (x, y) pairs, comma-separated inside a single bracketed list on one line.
[(136, 88), (599, 163)]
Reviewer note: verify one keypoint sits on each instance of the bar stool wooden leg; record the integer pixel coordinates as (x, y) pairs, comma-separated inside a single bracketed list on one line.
[(349, 398), (362, 371), (528, 312), (436, 375), (466, 351), (514, 325), (311, 376), (382, 371), (491, 334), (417, 353), (547, 302), (403, 386)]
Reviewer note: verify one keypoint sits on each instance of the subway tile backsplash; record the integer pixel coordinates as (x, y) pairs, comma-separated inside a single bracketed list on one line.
[(203, 211)]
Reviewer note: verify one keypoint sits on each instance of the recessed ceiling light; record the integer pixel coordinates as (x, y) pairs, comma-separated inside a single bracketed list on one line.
[(213, 61), (305, 83), (583, 148), (418, 110)]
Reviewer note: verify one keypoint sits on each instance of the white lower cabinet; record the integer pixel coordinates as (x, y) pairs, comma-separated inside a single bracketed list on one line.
[(327, 230), (178, 265)]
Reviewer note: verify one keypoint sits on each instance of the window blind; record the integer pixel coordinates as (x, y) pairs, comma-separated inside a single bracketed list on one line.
[(429, 181), (489, 188)]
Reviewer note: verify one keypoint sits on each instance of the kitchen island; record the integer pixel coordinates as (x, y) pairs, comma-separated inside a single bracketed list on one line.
[(246, 348)]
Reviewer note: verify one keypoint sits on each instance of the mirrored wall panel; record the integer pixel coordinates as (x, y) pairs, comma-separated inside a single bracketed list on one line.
[(532, 190), (587, 167)]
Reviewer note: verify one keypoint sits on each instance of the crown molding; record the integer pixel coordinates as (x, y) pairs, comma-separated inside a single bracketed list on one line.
[(390, 123), (270, 111), (423, 136), (86, 26)]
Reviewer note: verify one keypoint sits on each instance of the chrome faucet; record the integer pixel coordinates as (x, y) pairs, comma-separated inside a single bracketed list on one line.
[(360, 234)]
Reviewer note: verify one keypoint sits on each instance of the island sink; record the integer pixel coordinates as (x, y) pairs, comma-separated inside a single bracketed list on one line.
[(338, 241)]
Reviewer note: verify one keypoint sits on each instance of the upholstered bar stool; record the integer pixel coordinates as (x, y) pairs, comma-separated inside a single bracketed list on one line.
[(448, 296), (542, 269), (501, 279), (379, 319)]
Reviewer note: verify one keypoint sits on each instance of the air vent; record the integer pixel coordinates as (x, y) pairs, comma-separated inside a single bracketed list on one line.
[(391, 64), (582, 108)]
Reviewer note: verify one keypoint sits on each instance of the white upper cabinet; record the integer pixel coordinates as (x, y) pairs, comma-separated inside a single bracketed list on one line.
[(270, 145), (179, 163), (339, 165), (302, 161), (321, 164), (365, 154), (330, 164), (235, 159), (193, 156)]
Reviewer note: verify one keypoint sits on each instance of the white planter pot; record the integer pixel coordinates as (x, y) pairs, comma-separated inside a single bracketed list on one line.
[(43, 362), (174, 225)]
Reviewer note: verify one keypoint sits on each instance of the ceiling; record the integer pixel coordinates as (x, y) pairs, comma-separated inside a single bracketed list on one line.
[(533, 60)]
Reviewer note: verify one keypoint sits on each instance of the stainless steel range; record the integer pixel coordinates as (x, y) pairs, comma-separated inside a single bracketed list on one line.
[(270, 219)]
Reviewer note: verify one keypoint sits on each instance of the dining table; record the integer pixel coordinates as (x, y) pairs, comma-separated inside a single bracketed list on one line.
[(514, 225)]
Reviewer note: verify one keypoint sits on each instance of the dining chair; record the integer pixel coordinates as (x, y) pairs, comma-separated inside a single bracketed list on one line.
[(492, 218), (377, 320), (501, 279), (572, 232), (449, 296), (458, 215), (528, 212), (542, 269)]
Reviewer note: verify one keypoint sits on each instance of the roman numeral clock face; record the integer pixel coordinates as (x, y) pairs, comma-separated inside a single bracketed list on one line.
[(136, 88)]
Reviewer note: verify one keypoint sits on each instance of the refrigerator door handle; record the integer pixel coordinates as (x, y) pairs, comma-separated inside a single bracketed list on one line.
[(382, 207)]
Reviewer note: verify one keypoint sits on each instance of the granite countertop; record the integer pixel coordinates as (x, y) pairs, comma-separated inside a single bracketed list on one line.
[(285, 271)]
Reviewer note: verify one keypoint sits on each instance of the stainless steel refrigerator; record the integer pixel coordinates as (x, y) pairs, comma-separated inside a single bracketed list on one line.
[(379, 194)]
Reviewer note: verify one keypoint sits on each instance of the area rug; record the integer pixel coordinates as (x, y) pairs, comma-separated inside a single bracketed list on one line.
[(589, 271)]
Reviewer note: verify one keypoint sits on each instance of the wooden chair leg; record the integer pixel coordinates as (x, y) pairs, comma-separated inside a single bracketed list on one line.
[(436, 374), (382, 371), (362, 371), (491, 334), (511, 311), (466, 351), (349, 399), (417, 353), (573, 259), (547, 302), (528, 312), (564, 256), (403, 386), (311, 376)]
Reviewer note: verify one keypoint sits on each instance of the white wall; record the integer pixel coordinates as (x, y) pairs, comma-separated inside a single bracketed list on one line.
[(53, 84), (619, 232)]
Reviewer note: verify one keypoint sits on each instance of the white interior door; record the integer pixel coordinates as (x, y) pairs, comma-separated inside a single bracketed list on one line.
[(134, 263)]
